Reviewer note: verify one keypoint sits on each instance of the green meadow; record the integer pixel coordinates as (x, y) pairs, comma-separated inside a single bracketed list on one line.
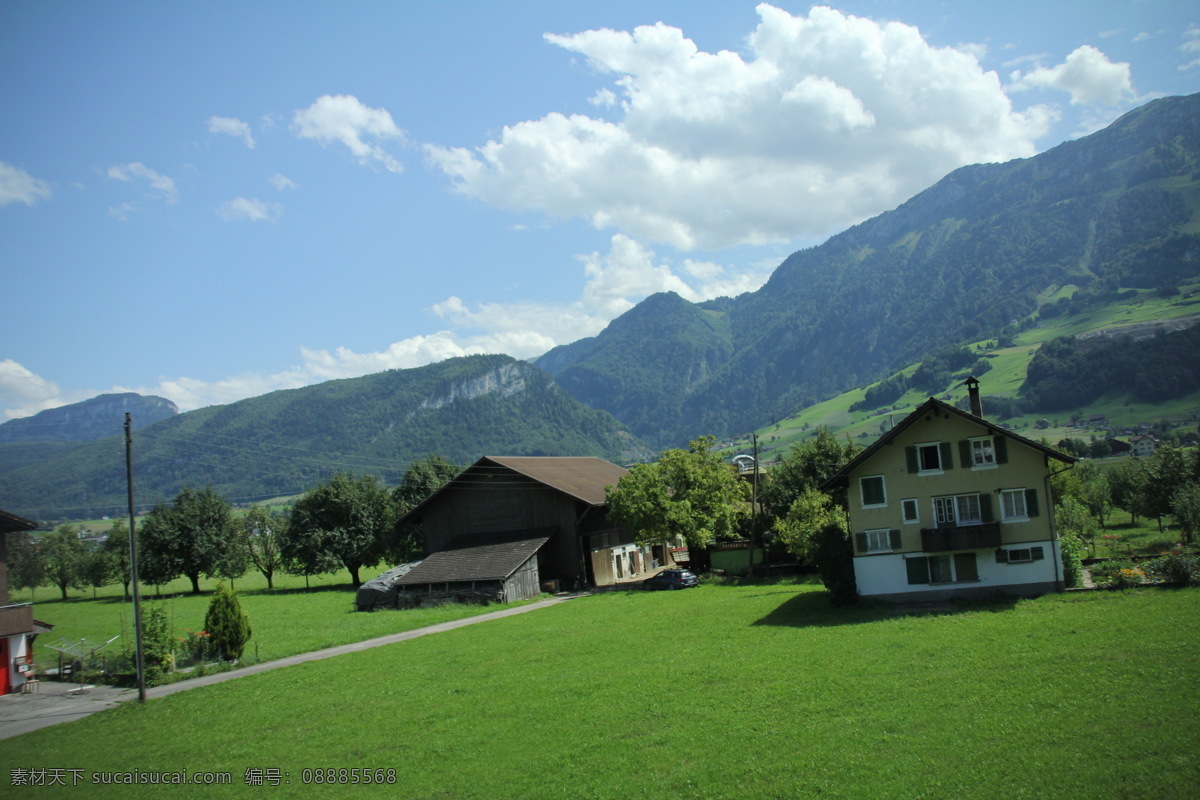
[(760, 690)]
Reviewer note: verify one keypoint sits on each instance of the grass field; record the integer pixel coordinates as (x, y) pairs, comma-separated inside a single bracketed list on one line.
[(287, 620), (752, 691)]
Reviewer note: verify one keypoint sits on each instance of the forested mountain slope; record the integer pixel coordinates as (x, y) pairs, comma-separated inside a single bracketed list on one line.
[(974, 256), (286, 441)]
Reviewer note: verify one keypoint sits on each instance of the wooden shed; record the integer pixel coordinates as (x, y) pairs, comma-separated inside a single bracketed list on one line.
[(505, 498)]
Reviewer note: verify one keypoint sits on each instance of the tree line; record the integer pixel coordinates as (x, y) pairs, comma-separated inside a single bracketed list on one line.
[(349, 521)]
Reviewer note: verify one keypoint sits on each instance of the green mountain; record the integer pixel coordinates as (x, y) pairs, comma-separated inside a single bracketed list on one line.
[(90, 420), (975, 256), (284, 442)]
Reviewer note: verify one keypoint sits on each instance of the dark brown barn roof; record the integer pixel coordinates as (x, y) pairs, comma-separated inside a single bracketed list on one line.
[(11, 523), (583, 478), (478, 557)]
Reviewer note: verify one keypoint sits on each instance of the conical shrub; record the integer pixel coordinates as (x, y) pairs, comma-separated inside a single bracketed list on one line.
[(227, 626)]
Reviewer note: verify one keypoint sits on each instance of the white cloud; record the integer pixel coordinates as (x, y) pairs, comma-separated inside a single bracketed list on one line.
[(281, 182), (158, 182), (1142, 37), (18, 186), (1087, 74), (249, 209), (343, 118), (23, 393), (828, 120), (231, 127)]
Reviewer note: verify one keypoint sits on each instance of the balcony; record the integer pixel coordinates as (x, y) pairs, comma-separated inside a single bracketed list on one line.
[(16, 619), (960, 537)]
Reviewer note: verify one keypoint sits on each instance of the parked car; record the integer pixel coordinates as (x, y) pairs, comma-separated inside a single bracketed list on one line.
[(671, 579)]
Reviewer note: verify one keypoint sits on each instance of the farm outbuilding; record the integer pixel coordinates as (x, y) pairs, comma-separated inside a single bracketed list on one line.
[(548, 511)]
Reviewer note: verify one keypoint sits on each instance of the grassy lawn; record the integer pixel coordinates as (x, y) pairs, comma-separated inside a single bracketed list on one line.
[(287, 620), (754, 691)]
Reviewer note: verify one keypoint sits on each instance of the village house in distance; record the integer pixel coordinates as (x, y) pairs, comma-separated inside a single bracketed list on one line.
[(948, 504)]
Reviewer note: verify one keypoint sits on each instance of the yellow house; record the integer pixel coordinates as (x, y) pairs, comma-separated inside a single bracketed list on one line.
[(949, 504)]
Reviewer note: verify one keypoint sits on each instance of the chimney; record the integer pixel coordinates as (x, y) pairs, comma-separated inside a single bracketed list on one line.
[(972, 384)]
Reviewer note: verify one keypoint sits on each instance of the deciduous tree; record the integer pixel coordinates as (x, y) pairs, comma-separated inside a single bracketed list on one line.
[(346, 520), (63, 554), (421, 479), (262, 532), (690, 494), (188, 537)]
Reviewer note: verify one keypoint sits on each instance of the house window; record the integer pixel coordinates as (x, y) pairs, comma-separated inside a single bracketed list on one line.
[(983, 452), (879, 541), (963, 509), (1020, 555), (1012, 501), (873, 494), (929, 458), (1018, 505), (911, 510), (956, 568)]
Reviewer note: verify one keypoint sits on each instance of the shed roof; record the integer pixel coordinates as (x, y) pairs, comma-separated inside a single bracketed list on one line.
[(11, 523), (935, 405), (478, 557), (582, 478)]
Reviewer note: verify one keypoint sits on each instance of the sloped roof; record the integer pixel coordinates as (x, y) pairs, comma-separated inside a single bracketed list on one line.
[(583, 478), (478, 557), (935, 405), (11, 523)]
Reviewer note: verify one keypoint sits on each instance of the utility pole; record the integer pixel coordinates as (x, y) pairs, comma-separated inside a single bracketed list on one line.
[(133, 576)]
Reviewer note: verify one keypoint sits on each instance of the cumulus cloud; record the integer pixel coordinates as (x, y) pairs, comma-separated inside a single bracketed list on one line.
[(18, 186), (1087, 75), (282, 182), (160, 183), (343, 118), (231, 127), (249, 209), (23, 393), (827, 120)]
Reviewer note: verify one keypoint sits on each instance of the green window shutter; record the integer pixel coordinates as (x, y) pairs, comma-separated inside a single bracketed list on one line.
[(964, 453), (1001, 445), (985, 508), (918, 569), (894, 538), (964, 567), (1001, 556), (1037, 553), (947, 453), (1031, 504), (860, 542), (910, 456)]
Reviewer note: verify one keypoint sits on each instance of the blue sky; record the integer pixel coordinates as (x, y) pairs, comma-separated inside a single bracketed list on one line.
[(208, 201)]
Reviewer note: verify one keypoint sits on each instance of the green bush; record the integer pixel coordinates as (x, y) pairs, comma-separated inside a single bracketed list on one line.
[(1175, 568), (227, 626)]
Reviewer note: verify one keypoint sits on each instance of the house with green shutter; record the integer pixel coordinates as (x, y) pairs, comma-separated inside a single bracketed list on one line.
[(947, 503)]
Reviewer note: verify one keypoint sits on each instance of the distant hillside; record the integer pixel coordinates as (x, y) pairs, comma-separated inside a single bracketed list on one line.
[(90, 420), (286, 441), (975, 256)]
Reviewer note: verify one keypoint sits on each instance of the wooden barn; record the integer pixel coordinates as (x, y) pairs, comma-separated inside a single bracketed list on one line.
[(548, 511)]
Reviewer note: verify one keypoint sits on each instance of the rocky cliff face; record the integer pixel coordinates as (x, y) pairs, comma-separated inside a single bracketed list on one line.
[(90, 420)]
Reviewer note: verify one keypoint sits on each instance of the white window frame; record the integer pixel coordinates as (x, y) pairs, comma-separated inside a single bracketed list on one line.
[(879, 540), (921, 468), (1026, 551), (913, 504), (862, 495), (949, 509), (983, 452), (1023, 516)]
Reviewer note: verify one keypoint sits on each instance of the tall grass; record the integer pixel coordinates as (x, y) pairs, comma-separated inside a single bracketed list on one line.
[(752, 691)]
